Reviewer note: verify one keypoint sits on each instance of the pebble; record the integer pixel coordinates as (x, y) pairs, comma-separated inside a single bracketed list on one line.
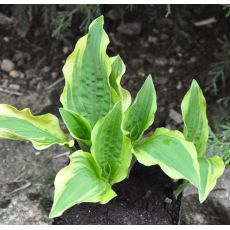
[(162, 80), (7, 65), (192, 60), (46, 69), (161, 61), (179, 85), (153, 39), (175, 116), (14, 86), (15, 73), (65, 50), (171, 70), (6, 39), (22, 75), (54, 75), (170, 127), (37, 153), (168, 200)]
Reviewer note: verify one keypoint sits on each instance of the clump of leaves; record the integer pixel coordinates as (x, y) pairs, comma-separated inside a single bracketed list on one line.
[(109, 128)]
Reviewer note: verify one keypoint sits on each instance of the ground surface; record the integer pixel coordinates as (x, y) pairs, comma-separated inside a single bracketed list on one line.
[(172, 49)]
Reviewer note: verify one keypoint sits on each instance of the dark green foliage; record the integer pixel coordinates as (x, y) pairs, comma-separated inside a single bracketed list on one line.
[(220, 70), (55, 19), (227, 9), (62, 19), (220, 143)]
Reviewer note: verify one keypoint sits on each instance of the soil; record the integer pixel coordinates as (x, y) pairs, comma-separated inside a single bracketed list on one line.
[(172, 49)]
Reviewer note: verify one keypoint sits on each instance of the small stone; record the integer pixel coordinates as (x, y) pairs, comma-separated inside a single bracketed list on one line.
[(192, 60), (179, 85), (170, 127), (162, 80), (153, 39), (22, 75), (54, 75), (130, 29), (6, 39), (141, 73), (175, 116), (37, 153), (15, 73), (14, 86), (168, 200), (65, 50), (161, 61), (7, 65), (46, 69), (171, 70)]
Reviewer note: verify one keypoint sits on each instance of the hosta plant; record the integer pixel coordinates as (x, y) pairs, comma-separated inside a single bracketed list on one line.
[(110, 129)]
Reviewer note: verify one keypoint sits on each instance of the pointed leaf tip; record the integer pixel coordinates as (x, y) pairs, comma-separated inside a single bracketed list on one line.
[(193, 109), (140, 114), (99, 20)]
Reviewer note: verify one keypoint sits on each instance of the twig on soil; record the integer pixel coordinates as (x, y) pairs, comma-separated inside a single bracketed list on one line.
[(10, 92), (61, 155), (40, 62), (10, 194), (205, 22), (55, 83), (32, 44), (168, 9)]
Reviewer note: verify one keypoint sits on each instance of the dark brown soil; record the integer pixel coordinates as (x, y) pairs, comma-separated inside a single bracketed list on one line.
[(142, 199)]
